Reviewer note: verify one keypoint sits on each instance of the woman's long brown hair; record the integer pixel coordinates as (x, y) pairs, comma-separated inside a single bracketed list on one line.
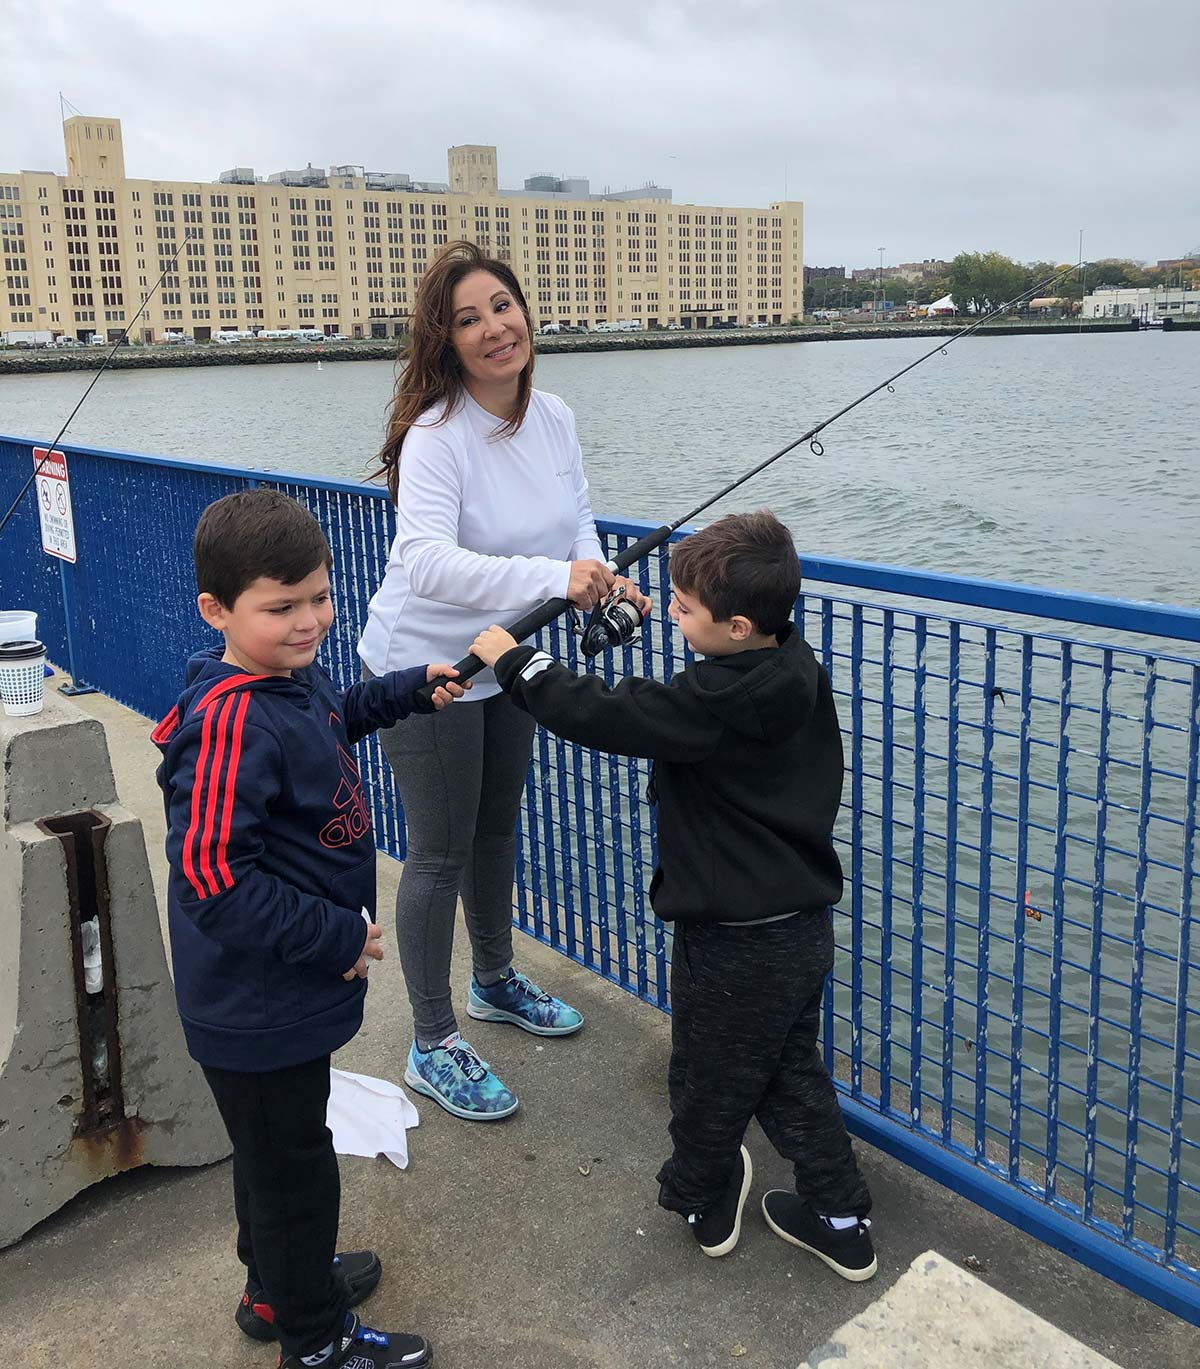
[(431, 372)]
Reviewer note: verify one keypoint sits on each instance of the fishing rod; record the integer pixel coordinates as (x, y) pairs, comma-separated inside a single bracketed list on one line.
[(103, 367), (614, 621)]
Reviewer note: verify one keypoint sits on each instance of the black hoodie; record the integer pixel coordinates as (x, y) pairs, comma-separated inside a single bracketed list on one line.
[(747, 774)]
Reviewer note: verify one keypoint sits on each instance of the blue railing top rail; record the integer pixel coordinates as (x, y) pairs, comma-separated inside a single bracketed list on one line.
[(1142, 617)]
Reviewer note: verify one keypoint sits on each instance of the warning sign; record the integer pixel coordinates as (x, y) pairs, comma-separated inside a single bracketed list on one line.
[(54, 503)]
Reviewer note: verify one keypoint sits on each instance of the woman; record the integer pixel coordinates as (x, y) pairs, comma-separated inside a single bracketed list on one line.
[(492, 517)]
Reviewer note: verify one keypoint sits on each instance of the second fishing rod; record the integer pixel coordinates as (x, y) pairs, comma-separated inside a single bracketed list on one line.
[(615, 620)]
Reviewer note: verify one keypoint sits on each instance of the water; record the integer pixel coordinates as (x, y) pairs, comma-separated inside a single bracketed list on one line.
[(1066, 461)]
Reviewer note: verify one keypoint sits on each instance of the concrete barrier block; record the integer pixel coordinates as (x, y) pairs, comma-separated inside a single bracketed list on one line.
[(937, 1316), (64, 1121), (54, 762)]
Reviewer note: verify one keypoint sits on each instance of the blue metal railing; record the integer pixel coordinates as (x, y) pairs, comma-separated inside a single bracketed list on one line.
[(1011, 1011)]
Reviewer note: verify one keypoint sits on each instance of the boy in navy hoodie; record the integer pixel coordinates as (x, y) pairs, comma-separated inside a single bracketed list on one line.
[(747, 779), (271, 904)]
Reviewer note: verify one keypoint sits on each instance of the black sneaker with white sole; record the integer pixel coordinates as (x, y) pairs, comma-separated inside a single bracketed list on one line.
[(359, 1347), (360, 1270), (847, 1252), (717, 1229)]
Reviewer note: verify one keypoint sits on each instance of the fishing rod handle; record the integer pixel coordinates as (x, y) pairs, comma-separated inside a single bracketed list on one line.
[(525, 626), (546, 612)]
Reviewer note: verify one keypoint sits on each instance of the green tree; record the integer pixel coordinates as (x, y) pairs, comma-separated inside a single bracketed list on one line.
[(981, 281)]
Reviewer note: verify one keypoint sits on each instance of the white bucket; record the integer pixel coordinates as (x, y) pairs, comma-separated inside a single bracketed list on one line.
[(22, 677), (18, 625)]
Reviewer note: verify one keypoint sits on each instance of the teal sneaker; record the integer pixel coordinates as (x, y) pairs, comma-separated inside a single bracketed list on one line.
[(459, 1081), (518, 1000)]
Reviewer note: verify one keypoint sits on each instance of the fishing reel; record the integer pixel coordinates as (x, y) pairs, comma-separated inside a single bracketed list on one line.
[(613, 622)]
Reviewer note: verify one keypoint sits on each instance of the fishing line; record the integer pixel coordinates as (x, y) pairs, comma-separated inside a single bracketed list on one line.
[(614, 622), (103, 367)]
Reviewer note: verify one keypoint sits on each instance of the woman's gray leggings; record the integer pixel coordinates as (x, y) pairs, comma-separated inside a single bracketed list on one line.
[(460, 773)]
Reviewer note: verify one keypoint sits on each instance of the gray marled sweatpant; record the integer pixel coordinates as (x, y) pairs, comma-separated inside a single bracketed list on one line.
[(746, 1004)]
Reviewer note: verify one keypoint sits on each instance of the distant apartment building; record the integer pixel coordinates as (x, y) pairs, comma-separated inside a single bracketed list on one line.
[(812, 273), (931, 269), (343, 250)]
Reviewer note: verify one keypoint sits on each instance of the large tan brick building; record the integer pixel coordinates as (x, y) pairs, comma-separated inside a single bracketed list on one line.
[(343, 251)]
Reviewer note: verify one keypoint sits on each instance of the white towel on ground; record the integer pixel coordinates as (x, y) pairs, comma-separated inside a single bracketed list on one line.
[(369, 1117)]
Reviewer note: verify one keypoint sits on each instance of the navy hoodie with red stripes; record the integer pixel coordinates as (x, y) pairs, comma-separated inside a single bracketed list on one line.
[(272, 863)]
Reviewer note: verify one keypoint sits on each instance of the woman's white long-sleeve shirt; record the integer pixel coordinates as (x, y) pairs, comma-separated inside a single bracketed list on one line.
[(485, 529)]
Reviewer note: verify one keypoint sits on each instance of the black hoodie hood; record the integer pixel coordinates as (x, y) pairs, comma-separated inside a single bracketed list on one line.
[(765, 695)]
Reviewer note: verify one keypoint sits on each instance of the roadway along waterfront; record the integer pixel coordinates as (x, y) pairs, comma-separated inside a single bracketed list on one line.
[(35, 361)]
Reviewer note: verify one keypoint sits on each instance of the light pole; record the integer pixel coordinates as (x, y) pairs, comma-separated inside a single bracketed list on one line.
[(876, 309)]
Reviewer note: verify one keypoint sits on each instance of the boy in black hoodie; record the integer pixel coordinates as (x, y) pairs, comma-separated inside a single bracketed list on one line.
[(747, 779), (271, 909)]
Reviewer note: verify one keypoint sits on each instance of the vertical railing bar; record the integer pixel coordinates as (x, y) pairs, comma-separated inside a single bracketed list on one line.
[(668, 653), (856, 850), (602, 904), (634, 771), (1053, 1060), (1183, 961), (586, 909), (948, 972), (564, 808), (549, 839), (533, 837), (886, 835), (983, 980), (1091, 1110), (1138, 954), (918, 867), (1016, 1048), (614, 827), (829, 1028)]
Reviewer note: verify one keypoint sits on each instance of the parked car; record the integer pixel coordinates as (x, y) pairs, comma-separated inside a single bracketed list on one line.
[(549, 328), (338, 337), (674, 327)]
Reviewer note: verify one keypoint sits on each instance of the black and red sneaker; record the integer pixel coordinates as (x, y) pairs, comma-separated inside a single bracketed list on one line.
[(359, 1347), (360, 1270)]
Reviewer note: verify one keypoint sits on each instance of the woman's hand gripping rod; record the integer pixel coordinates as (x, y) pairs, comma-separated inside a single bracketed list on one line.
[(546, 612)]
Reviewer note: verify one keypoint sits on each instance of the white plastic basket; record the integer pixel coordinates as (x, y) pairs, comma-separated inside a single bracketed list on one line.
[(22, 677), (18, 625)]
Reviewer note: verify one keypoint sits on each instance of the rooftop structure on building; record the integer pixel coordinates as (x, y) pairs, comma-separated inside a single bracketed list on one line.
[(311, 175)]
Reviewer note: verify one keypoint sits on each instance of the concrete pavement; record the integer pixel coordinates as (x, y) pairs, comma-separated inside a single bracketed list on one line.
[(535, 1241)]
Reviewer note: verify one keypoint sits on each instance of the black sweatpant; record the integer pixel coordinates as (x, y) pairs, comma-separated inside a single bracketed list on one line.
[(745, 1004), (286, 1193)]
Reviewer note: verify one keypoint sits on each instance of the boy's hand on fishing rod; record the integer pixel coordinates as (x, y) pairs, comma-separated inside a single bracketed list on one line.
[(493, 642), (642, 602), (371, 950), (447, 692)]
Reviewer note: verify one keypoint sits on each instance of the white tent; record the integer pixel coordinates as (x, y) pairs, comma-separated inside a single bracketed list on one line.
[(945, 305)]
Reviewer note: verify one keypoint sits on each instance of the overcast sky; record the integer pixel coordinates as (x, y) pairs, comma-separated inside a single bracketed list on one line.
[(928, 127)]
